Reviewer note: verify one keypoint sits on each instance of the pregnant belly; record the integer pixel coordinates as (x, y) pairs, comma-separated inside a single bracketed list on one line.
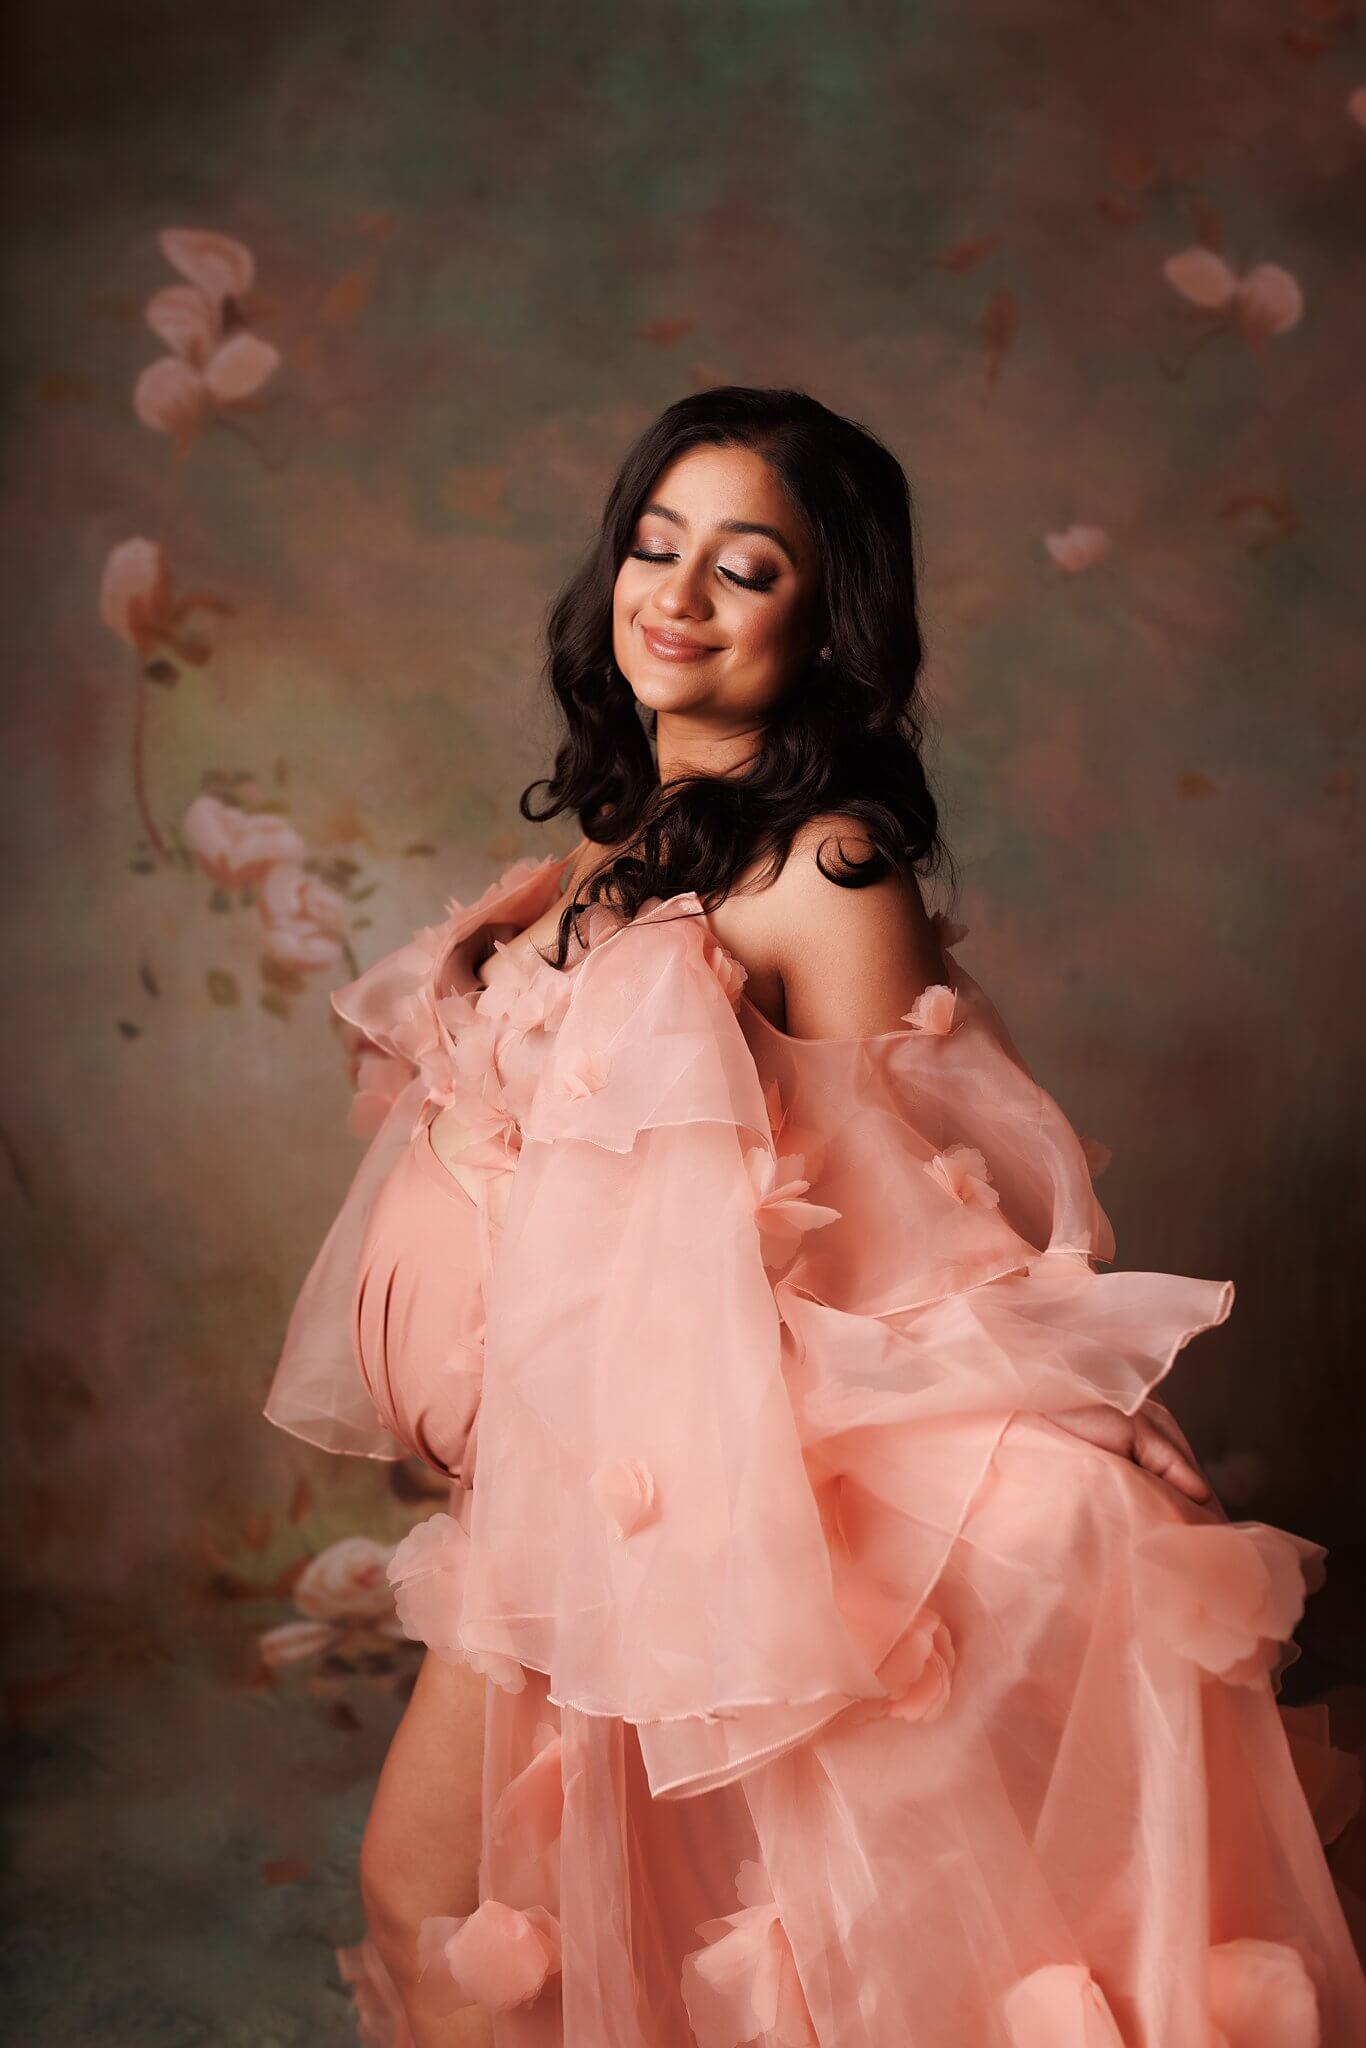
[(419, 1310)]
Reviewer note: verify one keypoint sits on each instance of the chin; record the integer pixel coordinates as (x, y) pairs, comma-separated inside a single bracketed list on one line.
[(668, 692)]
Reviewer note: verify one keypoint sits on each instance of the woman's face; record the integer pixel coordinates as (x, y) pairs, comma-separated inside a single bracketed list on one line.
[(721, 566)]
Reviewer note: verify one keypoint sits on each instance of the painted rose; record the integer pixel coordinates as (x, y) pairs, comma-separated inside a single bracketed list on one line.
[(347, 1582), (237, 848), (302, 917)]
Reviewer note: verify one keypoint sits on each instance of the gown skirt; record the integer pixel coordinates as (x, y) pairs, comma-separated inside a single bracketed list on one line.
[(836, 1695)]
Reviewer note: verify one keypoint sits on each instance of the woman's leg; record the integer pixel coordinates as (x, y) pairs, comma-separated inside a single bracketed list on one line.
[(420, 1852)]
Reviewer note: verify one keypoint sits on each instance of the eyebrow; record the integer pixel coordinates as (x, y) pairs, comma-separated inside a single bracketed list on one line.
[(725, 525)]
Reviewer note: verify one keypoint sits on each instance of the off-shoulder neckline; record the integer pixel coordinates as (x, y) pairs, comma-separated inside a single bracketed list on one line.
[(537, 964)]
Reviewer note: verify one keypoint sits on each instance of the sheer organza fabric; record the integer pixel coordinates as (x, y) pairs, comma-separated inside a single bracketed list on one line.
[(836, 1694)]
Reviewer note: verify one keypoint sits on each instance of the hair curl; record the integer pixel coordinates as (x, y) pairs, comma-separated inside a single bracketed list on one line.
[(846, 736)]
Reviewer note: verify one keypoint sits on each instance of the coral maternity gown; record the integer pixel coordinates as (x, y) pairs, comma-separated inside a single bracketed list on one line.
[(837, 1696)]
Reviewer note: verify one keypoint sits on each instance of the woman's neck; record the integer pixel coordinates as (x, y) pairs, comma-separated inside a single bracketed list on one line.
[(683, 746)]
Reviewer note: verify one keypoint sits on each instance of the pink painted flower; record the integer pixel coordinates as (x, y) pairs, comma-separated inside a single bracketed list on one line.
[(1265, 301), (743, 1985), (302, 917), (1225, 1595), (295, 1642), (1078, 547), (781, 1213), (215, 360), (932, 1010), (585, 1075), (237, 848), (1261, 1996), (963, 1173), (137, 602), (625, 1492), (498, 1956), (289, 892), (1060, 2006), (347, 1582), (427, 1572)]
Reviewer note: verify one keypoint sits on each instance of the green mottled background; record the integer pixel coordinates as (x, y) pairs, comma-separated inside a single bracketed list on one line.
[(490, 241)]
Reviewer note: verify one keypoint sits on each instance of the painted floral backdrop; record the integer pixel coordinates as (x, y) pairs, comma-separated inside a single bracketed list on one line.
[(325, 333)]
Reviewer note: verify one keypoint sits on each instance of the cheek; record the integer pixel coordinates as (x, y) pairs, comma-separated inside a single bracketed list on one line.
[(764, 635)]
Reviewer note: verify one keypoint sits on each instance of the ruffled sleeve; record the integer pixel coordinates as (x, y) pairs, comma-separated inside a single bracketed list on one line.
[(403, 1007), (754, 1331)]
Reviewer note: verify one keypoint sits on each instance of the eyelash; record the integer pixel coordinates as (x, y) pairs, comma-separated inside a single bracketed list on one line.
[(745, 582)]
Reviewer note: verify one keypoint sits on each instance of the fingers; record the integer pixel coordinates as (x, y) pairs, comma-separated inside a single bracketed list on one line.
[(1157, 1454)]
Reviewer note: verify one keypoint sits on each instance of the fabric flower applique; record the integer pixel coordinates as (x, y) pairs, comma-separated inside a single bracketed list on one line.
[(963, 1173), (743, 1986), (728, 971), (498, 1956), (917, 1671), (1060, 2006), (529, 996), (584, 1075), (781, 1212), (626, 1494), (427, 1572), (1097, 1155), (1225, 1595), (932, 1011), (525, 1825), (1261, 1996), (1330, 1778)]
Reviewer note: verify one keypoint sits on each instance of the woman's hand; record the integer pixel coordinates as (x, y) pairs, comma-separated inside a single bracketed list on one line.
[(1140, 1437)]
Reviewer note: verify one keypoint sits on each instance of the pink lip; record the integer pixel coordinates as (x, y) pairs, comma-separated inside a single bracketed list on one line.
[(674, 646)]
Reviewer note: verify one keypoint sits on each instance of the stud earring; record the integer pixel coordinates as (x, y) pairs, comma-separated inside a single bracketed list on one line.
[(826, 651)]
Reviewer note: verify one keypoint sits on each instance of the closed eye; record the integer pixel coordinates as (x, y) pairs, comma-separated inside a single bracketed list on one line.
[(745, 582)]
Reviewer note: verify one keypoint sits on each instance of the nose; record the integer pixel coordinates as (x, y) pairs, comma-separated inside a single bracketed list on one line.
[(679, 593)]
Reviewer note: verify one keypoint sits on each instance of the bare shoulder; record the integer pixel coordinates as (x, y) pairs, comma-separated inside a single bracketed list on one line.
[(852, 960)]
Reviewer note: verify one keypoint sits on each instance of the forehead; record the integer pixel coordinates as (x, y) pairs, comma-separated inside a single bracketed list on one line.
[(708, 487)]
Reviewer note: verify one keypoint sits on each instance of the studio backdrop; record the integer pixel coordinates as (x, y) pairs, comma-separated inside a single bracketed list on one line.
[(325, 330)]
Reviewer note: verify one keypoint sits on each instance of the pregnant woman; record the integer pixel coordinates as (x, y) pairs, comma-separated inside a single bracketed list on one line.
[(864, 1660)]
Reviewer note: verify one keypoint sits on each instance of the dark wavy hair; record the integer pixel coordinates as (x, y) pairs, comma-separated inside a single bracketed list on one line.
[(845, 738)]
